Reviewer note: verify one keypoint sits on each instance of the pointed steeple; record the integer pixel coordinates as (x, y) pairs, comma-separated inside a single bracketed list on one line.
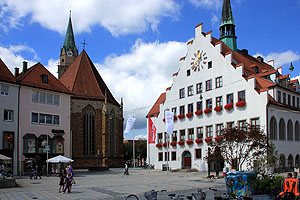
[(227, 27), (69, 43)]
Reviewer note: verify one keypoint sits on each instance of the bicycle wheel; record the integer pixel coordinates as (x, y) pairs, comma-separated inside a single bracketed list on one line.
[(131, 197)]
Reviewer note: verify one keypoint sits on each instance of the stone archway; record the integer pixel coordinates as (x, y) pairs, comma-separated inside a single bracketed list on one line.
[(186, 160)]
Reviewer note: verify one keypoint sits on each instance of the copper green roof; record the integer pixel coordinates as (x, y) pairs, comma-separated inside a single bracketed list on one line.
[(69, 40), (227, 17)]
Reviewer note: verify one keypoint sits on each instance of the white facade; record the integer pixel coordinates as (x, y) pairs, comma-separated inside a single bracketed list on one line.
[(233, 81), (9, 120)]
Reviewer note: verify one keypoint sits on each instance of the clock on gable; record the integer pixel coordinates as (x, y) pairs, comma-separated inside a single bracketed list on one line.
[(198, 60), (70, 53)]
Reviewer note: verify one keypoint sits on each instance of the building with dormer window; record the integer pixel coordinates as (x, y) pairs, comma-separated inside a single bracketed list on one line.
[(218, 85)]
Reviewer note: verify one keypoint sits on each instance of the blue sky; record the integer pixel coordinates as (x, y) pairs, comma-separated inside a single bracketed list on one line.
[(136, 45)]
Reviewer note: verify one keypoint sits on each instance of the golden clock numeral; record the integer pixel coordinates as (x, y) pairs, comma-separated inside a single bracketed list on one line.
[(205, 58), (204, 54), (192, 63)]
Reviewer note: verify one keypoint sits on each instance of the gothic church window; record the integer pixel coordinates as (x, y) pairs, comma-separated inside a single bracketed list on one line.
[(89, 130), (112, 134)]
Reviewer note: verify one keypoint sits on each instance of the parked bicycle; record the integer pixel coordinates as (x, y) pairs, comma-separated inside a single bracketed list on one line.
[(152, 195)]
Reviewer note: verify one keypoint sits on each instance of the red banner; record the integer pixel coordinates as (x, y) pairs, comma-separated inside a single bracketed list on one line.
[(151, 130)]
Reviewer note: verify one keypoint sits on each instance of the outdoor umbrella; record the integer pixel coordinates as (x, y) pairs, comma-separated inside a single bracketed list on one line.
[(3, 157), (59, 159)]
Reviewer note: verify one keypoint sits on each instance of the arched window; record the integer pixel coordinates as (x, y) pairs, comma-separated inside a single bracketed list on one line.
[(297, 161), (297, 131), (89, 130), (290, 130), (290, 162), (273, 129), (112, 138), (281, 129), (282, 161)]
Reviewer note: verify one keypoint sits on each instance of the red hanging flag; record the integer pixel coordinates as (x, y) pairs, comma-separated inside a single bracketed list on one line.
[(151, 130)]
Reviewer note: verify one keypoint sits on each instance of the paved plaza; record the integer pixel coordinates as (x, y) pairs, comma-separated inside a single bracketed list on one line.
[(112, 185)]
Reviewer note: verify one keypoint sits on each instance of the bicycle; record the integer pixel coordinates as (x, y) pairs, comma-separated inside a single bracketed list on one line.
[(152, 195)]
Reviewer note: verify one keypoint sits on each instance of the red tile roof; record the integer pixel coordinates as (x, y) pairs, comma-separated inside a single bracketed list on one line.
[(293, 81), (32, 78), (5, 74), (83, 79), (263, 84), (154, 111), (284, 77)]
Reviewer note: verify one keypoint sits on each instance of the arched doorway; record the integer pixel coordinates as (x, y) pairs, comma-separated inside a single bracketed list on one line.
[(290, 162), (297, 161), (282, 162), (186, 160)]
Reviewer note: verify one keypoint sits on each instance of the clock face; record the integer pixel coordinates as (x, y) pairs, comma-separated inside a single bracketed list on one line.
[(70, 53), (199, 60)]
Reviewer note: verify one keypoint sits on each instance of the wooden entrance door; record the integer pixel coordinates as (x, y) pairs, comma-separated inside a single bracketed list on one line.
[(187, 160)]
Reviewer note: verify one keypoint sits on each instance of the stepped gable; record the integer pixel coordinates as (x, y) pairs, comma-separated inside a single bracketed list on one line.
[(83, 79), (32, 77), (154, 111), (5, 74)]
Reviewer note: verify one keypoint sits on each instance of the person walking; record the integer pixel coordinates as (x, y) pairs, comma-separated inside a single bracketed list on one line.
[(68, 183), (62, 177), (126, 169)]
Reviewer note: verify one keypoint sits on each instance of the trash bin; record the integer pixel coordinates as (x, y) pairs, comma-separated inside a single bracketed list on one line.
[(240, 184)]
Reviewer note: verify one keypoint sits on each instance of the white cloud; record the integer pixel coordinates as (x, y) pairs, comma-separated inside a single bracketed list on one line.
[(280, 58), (118, 17), (141, 75), (209, 4), (12, 58), (140, 137)]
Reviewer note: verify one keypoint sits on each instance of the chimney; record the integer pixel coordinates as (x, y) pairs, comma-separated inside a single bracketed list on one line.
[(24, 66), (260, 59), (244, 51), (16, 71)]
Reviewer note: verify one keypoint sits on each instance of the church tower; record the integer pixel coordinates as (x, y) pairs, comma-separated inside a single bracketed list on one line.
[(68, 52), (227, 27)]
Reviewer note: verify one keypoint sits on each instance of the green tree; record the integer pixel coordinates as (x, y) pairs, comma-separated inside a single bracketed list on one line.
[(239, 145)]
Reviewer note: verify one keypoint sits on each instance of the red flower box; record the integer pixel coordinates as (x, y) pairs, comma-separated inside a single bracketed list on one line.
[(181, 116), (181, 142), (164, 144), (173, 143), (198, 112), (164, 120), (207, 140), (190, 114), (240, 103), (175, 117), (218, 108), (207, 110), (198, 141), (189, 142), (228, 106), (159, 145), (218, 138)]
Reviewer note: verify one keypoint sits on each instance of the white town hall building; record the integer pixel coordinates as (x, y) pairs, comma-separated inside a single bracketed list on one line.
[(216, 86)]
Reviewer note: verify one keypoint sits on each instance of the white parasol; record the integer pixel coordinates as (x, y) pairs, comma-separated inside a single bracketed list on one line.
[(60, 159)]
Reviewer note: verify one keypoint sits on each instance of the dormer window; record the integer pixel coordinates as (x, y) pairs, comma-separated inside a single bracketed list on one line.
[(255, 69), (44, 78)]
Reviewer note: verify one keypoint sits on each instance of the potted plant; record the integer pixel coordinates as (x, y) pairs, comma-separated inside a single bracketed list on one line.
[(189, 142), (218, 138), (209, 139), (159, 145), (198, 112), (181, 142), (173, 143), (175, 118), (164, 144), (198, 141), (181, 116), (207, 110), (190, 114), (240, 103), (218, 108), (228, 106)]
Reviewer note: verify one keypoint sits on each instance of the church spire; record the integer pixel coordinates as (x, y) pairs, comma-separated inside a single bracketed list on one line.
[(68, 52), (227, 27), (69, 43)]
